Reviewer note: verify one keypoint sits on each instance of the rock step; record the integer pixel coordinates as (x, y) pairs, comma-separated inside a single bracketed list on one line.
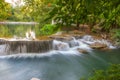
[(27, 46)]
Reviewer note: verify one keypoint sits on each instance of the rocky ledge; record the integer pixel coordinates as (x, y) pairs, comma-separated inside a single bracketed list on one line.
[(98, 45)]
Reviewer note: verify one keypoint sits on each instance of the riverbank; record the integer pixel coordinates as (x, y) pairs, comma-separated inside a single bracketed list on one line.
[(79, 34)]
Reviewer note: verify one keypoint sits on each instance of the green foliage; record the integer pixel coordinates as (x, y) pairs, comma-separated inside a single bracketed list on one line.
[(110, 14), (14, 30), (4, 31), (37, 9), (91, 12), (48, 29), (5, 10), (69, 12), (112, 73), (116, 36), (17, 14), (66, 12)]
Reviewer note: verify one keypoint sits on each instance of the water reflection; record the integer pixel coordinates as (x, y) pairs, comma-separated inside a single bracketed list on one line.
[(13, 30)]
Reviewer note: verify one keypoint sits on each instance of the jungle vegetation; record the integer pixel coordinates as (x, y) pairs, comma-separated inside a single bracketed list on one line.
[(111, 73), (101, 13)]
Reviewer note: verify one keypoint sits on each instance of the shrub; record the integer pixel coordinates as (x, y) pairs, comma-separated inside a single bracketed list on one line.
[(48, 29), (112, 73), (117, 34)]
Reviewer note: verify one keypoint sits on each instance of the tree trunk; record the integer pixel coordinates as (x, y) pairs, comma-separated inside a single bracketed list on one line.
[(77, 26)]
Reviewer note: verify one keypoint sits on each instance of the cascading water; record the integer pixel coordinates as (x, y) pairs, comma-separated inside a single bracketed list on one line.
[(15, 47), (24, 46), (63, 62), (59, 45)]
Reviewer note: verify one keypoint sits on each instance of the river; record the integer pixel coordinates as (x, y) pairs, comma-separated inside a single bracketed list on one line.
[(56, 65), (63, 63)]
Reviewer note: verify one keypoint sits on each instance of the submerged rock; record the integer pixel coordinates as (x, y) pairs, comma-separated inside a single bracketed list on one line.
[(82, 51), (34, 79)]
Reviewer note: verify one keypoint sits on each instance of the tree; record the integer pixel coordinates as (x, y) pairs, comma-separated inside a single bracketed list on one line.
[(91, 12), (112, 73), (38, 9), (69, 12), (5, 10)]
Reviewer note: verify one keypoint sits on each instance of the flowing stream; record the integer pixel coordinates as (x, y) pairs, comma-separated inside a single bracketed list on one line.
[(63, 62)]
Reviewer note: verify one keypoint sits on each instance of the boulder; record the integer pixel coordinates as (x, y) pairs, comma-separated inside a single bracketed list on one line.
[(98, 45), (62, 38), (82, 51)]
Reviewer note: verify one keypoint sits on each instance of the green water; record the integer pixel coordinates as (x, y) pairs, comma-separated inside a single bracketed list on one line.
[(19, 30), (56, 65)]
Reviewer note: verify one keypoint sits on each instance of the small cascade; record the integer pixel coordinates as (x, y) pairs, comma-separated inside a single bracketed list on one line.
[(15, 47), (84, 44), (59, 45), (87, 39), (107, 43), (72, 45), (90, 40), (74, 42), (87, 42)]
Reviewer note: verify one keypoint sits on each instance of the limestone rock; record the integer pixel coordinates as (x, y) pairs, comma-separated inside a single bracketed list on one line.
[(62, 38), (98, 45), (82, 51)]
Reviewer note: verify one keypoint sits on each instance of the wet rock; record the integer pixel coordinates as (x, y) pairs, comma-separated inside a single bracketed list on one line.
[(104, 36), (13, 47), (76, 32), (82, 51), (98, 45), (58, 45), (62, 38), (97, 28), (88, 38), (78, 36), (61, 46), (34, 79)]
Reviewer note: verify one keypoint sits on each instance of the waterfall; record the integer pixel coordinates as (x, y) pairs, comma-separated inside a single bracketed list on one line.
[(74, 42), (59, 45), (107, 43), (52, 59), (54, 65), (15, 47), (63, 44)]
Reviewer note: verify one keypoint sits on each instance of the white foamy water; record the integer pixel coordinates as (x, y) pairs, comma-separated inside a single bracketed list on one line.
[(3, 49), (63, 62), (59, 45), (68, 47), (106, 42)]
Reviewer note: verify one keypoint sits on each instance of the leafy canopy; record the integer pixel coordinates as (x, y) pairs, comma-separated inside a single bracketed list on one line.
[(5, 10)]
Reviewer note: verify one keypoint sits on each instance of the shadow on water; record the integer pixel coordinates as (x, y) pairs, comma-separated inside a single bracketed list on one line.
[(56, 66)]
